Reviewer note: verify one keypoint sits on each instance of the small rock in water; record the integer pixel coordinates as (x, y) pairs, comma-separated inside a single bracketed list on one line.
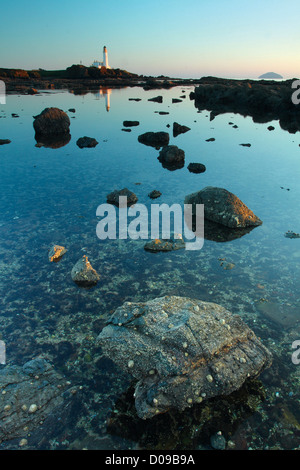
[(196, 168), (154, 194), (246, 145), (56, 253), (290, 234), (130, 123), (86, 142), (179, 129), (4, 141), (83, 274), (113, 198)]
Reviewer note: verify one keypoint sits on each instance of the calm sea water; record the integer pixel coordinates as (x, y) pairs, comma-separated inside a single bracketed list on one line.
[(50, 196)]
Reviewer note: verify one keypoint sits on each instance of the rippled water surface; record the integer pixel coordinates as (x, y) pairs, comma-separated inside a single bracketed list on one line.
[(50, 196)]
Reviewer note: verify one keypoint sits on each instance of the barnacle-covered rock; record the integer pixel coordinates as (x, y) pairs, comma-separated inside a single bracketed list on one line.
[(181, 351)]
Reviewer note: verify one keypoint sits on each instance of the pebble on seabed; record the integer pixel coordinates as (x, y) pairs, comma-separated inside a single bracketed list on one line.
[(23, 442)]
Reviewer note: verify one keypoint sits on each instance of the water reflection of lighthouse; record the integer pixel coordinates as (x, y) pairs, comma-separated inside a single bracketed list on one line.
[(106, 92)]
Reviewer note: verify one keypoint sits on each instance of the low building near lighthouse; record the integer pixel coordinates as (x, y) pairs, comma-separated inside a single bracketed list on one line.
[(104, 63)]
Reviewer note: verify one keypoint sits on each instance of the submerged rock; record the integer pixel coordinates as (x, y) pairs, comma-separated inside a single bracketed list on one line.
[(85, 141), (51, 121), (181, 351), (164, 244), (154, 194), (223, 207), (154, 139), (56, 253), (83, 274), (36, 398), (113, 198)]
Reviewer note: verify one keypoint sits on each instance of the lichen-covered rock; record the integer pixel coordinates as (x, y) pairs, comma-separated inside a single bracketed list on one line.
[(51, 121), (56, 252), (29, 396), (181, 351), (83, 274), (223, 207)]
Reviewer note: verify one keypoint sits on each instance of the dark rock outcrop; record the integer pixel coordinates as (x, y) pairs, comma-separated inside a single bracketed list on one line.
[(181, 351), (223, 207), (263, 100), (154, 139)]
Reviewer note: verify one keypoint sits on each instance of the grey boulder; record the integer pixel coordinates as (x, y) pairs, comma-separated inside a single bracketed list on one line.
[(181, 351)]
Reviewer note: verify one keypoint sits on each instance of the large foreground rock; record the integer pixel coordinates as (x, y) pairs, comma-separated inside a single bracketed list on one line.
[(181, 351), (51, 122), (223, 207)]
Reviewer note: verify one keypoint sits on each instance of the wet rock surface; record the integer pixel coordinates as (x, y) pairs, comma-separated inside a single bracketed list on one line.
[(223, 207), (51, 122), (154, 139), (33, 398), (181, 351), (83, 274), (86, 142)]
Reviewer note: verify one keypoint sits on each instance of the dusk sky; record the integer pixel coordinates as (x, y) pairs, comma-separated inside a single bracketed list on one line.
[(191, 38)]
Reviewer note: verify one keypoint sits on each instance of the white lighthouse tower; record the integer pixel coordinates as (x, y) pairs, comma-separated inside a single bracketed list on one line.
[(99, 64), (105, 58)]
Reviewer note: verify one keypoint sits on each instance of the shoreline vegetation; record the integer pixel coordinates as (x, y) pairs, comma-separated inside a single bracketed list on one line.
[(263, 100)]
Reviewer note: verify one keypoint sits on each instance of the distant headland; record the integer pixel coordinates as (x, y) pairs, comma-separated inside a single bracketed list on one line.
[(271, 76)]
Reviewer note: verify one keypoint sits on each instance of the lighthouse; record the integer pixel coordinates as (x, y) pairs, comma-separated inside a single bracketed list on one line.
[(105, 58), (99, 64)]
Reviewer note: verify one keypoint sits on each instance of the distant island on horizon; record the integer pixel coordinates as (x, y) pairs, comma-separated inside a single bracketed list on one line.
[(270, 75)]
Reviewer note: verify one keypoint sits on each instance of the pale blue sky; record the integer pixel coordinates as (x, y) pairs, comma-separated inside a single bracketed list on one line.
[(190, 38)]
